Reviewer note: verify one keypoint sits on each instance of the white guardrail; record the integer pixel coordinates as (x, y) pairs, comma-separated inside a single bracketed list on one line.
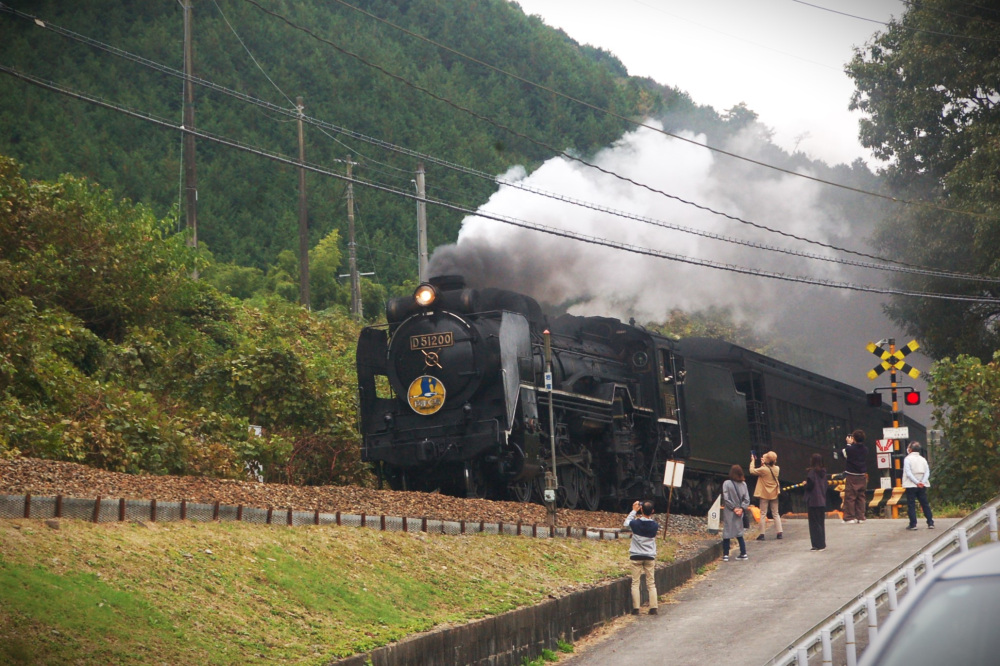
[(820, 638)]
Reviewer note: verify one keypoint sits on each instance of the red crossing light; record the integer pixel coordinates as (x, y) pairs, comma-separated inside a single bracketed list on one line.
[(912, 397)]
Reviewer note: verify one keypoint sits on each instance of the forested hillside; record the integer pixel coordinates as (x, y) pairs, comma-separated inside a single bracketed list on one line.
[(247, 205), (365, 72)]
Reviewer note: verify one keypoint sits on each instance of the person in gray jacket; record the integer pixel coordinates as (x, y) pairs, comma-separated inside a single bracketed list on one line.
[(642, 553), (735, 500)]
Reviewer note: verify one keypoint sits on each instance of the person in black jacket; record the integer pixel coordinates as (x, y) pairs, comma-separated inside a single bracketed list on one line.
[(816, 499), (855, 477)]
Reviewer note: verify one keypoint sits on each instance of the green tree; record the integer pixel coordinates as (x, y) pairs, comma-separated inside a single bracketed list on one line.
[(967, 469), (929, 86), (111, 355), (325, 289)]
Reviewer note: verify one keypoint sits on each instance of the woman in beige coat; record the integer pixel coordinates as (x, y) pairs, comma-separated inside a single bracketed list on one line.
[(767, 489)]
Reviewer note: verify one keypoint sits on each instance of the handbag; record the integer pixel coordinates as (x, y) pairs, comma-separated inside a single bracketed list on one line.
[(745, 516)]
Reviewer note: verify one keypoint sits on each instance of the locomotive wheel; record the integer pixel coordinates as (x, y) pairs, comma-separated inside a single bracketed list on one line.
[(520, 491), (590, 491), (569, 488), (475, 482)]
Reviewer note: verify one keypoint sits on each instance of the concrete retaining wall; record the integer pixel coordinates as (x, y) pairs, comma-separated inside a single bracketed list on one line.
[(505, 640)]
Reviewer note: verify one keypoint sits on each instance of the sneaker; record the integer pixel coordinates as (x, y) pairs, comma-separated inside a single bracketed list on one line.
[(760, 537), (821, 549), (635, 611), (911, 527), (744, 556), (653, 611), (852, 521), (779, 536), (931, 526)]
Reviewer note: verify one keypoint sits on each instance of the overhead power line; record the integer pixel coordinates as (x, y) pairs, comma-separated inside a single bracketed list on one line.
[(594, 240), (909, 202), (911, 29), (245, 48), (889, 265), (293, 114)]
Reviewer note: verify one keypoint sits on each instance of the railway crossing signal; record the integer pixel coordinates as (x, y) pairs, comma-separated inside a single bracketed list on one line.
[(911, 397), (893, 360)]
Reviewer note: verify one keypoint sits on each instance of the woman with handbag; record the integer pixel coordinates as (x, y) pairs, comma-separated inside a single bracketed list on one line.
[(735, 501), (767, 490)]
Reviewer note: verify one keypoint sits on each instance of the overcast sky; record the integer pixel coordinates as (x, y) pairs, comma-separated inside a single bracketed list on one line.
[(784, 58)]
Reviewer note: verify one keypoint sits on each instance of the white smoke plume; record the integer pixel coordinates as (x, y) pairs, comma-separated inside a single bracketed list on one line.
[(827, 327)]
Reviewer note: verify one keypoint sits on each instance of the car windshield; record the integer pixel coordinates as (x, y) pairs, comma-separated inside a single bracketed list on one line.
[(954, 623)]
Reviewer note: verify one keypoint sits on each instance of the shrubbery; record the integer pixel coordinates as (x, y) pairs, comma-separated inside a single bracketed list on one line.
[(113, 356), (966, 468)]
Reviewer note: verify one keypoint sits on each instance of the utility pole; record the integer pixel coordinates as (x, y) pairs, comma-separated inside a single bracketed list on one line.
[(551, 477), (353, 265), (421, 224), (190, 183), (303, 218)]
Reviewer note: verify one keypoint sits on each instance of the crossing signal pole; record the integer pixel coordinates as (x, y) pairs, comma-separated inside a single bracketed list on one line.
[(892, 360)]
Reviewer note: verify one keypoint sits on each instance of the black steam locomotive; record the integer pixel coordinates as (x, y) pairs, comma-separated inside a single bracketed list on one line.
[(465, 390)]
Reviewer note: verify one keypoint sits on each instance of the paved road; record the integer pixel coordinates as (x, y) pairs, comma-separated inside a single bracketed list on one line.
[(747, 612)]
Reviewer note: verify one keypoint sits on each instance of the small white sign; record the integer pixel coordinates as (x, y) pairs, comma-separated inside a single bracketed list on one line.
[(896, 433), (883, 460), (714, 514), (548, 381), (673, 475), (883, 445), (885, 482)]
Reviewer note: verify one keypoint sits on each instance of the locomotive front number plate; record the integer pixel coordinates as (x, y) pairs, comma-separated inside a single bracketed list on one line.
[(432, 340)]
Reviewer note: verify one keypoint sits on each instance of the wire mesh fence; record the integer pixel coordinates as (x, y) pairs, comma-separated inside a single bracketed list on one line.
[(106, 510)]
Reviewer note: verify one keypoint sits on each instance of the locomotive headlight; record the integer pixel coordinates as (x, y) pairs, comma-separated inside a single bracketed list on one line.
[(425, 295)]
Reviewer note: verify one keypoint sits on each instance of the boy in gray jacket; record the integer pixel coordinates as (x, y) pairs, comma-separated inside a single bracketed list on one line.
[(642, 552)]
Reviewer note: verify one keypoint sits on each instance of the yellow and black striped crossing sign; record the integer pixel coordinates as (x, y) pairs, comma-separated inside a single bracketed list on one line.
[(893, 360)]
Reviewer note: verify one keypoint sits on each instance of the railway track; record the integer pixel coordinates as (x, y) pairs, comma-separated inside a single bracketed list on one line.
[(47, 477)]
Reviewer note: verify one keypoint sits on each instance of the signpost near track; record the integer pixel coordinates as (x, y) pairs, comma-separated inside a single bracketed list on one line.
[(893, 360), (673, 476)]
